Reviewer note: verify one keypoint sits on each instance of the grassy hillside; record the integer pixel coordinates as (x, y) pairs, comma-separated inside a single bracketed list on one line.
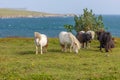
[(23, 13), (19, 62)]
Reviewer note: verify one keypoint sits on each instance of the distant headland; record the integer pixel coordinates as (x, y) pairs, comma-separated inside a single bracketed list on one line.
[(22, 13)]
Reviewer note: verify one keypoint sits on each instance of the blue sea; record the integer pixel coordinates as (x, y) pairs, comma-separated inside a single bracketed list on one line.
[(51, 26)]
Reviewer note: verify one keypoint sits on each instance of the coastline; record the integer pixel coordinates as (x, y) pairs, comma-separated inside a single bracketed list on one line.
[(35, 16), (15, 13)]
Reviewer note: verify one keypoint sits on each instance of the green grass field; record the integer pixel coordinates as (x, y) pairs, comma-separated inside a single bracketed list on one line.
[(18, 61)]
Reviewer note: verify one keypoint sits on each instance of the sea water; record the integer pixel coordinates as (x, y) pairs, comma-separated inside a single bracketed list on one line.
[(51, 26)]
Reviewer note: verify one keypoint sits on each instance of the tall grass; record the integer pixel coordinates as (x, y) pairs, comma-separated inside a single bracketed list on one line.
[(18, 61)]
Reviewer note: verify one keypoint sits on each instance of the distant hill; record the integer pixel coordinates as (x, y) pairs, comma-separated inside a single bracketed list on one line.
[(13, 13)]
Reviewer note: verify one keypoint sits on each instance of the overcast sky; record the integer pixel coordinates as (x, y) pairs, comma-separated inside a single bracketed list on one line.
[(65, 6)]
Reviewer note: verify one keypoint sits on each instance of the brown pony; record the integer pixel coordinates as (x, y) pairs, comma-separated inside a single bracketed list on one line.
[(106, 40)]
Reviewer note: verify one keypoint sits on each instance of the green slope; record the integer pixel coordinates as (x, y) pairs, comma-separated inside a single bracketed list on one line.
[(4, 12)]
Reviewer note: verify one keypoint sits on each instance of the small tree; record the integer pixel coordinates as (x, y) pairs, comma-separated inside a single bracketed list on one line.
[(86, 21)]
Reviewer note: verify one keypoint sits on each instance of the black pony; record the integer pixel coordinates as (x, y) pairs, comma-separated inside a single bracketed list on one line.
[(106, 40)]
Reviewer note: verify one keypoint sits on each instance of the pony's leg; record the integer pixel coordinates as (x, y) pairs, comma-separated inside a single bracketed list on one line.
[(70, 48), (45, 49), (62, 47), (110, 49), (65, 47), (88, 44), (107, 47), (41, 49), (36, 50), (100, 46), (83, 45)]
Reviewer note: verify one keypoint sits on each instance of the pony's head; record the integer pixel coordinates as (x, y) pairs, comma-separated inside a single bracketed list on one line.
[(76, 47), (37, 35), (75, 43)]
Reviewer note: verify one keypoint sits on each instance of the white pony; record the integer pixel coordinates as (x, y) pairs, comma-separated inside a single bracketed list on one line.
[(92, 33), (67, 39), (40, 41)]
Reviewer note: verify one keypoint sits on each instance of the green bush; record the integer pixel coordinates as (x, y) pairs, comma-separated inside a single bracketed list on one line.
[(86, 21)]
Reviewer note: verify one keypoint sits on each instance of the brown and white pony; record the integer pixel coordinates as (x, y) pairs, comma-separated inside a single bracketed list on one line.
[(68, 40), (84, 38), (92, 33), (40, 41)]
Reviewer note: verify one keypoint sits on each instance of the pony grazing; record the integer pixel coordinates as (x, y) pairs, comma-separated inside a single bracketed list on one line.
[(84, 38), (68, 40), (40, 41)]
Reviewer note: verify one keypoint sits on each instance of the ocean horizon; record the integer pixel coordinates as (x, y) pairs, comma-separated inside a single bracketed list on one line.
[(51, 26)]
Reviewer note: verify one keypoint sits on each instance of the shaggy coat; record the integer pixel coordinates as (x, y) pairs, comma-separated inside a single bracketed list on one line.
[(68, 40), (105, 40), (84, 38), (40, 41), (92, 33)]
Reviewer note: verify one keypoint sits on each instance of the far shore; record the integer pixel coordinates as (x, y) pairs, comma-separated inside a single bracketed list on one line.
[(15, 13), (36, 16)]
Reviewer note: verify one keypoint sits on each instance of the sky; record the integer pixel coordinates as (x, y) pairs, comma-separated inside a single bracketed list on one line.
[(65, 6)]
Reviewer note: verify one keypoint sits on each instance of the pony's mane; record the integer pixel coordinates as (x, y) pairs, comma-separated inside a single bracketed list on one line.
[(37, 35), (73, 38)]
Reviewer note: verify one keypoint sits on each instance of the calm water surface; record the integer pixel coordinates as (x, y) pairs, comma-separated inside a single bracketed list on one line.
[(51, 26)]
